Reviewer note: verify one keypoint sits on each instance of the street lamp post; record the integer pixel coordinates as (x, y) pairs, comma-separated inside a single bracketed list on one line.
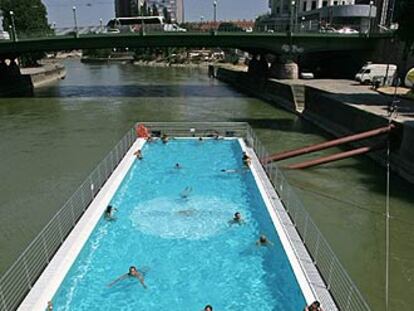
[(292, 16), (215, 11), (371, 3), (75, 21), (13, 26)]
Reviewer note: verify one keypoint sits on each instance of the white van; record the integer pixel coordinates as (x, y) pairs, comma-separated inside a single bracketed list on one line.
[(371, 72)]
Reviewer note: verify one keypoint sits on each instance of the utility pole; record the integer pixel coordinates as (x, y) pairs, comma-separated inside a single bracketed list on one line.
[(215, 11)]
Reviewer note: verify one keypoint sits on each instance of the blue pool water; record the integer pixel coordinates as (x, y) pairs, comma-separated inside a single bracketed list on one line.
[(189, 253)]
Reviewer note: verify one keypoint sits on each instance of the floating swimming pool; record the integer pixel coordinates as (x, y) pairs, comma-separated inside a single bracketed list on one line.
[(189, 253)]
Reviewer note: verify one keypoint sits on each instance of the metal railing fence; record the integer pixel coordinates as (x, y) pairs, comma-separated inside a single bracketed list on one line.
[(21, 276), (338, 282), (17, 281)]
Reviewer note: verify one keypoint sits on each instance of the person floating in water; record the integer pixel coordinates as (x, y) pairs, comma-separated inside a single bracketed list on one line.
[(315, 306), (237, 219), (200, 138), (165, 138), (132, 273), (186, 192), (246, 159), (263, 241), (138, 154), (231, 171), (109, 212), (208, 308), (178, 166)]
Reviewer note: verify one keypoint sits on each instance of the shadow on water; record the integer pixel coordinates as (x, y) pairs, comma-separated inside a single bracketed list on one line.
[(147, 91)]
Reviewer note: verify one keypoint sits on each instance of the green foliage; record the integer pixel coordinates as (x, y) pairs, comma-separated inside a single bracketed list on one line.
[(30, 20), (30, 17), (167, 15), (97, 53), (155, 10), (405, 19)]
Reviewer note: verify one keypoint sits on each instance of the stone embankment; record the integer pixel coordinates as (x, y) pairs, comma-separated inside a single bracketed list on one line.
[(341, 107), (48, 73)]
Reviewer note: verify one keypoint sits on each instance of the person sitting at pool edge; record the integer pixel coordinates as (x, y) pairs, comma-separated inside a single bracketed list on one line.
[(109, 212), (237, 219), (246, 159), (263, 241), (132, 272), (208, 308), (138, 154), (315, 306)]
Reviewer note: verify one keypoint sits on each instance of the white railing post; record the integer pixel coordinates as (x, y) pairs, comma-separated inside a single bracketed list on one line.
[(45, 248), (27, 273)]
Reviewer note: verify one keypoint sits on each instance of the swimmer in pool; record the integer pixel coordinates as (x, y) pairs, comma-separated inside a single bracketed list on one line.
[(178, 166), (165, 138), (138, 154), (246, 159), (237, 219), (186, 192), (263, 241), (109, 212), (208, 308), (132, 273)]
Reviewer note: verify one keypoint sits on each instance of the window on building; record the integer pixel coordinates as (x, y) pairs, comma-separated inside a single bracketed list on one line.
[(277, 10), (343, 3), (304, 4), (313, 5), (335, 2), (324, 3)]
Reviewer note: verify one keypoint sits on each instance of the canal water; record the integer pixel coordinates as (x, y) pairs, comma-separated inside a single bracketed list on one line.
[(50, 142)]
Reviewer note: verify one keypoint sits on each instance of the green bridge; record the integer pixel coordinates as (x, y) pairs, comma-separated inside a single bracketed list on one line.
[(275, 43)]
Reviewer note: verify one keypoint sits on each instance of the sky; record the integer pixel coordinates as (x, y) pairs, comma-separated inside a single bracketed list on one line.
[(90, 11)]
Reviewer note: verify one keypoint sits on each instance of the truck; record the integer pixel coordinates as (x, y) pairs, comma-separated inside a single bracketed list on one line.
[(370, 73)]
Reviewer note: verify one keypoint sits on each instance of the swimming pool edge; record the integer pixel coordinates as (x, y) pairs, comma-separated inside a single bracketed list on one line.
[(306, 273), (52, 277)]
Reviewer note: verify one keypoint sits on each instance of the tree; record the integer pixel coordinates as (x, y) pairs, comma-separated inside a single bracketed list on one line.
[(30, 19), (167, 15), (155, 10), (405, 14)]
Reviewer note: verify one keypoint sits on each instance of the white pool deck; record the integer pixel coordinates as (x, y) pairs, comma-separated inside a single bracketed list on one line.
[(307, 275)]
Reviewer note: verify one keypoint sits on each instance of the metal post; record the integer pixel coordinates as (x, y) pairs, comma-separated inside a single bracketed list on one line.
[(215, 12), (291, 18), (13, 26), (75, 21), (369, 21), (101, 25)]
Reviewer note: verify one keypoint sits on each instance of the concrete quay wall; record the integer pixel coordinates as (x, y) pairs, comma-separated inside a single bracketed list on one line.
[(46, 74), (335, 115), (270, 90)]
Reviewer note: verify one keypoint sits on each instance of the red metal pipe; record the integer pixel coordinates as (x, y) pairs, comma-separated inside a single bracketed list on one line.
[(334, 157), (328, 144)]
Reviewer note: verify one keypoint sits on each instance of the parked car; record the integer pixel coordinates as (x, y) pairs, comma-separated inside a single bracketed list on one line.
[(371, 72), (4, 35), (173, 28), (347, 31)]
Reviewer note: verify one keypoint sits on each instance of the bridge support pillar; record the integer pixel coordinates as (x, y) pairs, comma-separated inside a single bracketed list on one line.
[(258, 67), (284, 69), (12, 82)]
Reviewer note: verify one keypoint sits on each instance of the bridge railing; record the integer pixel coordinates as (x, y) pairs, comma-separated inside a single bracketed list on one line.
[(98, 30), (21, 276)]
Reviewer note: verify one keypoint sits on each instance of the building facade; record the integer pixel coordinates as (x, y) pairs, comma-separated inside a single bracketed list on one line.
[(175, 8), (319, 15), (125, 8)]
